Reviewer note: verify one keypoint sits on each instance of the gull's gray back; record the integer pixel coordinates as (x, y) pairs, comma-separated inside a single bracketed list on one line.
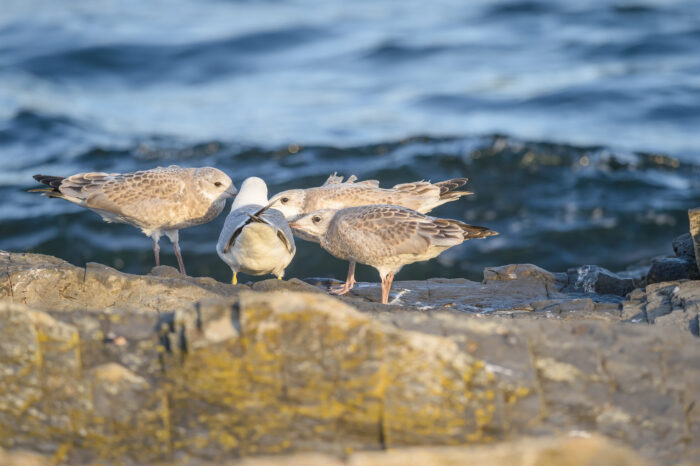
[(276, 218), (240, 217), (235, 220)]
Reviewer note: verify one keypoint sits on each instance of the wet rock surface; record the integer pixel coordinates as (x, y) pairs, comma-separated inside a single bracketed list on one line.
[(672, 268), (101, 366), (598, 280), (683, 247)]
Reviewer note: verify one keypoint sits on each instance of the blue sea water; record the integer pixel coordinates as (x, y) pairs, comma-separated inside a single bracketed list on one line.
[(578, 123)]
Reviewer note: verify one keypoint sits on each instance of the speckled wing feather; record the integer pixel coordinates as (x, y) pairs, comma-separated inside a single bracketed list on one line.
[(146, 193), (135, 195), (370, 183), (449, 186), (388, 231), (338, 179), (441, 190), (343, 195), (419, 188), (422, 196), (334, 178)]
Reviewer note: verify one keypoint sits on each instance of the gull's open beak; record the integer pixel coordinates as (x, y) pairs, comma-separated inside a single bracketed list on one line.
[(293, 225), (270, 204), (232, 191)]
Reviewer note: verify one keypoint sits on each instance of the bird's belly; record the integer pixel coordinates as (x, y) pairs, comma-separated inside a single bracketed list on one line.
[(380, 257), (171, 216), (111, 217), (258, 250), (405, 259)]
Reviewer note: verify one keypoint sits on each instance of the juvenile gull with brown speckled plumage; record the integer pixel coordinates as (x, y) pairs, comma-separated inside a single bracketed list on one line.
[(386, 237), (158, 201), (421, 196)]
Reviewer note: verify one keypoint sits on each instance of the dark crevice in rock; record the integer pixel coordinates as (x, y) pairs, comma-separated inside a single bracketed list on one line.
[(182, 343), (9, 277), (236, 317), (694, 326), (381, 428), (12, 290), (165, 325), (198, 310), (645, 317)]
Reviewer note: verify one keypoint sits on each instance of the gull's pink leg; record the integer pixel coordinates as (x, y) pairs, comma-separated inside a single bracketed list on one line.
[(156, 251), (176, 246), (386, 287), (174, 237), (349, 282)]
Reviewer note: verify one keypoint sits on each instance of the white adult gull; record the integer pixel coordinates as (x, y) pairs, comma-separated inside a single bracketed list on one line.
[(255, 239)]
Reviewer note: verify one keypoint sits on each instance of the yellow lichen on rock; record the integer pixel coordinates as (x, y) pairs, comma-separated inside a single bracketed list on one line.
[(558, 371), (305, 365)]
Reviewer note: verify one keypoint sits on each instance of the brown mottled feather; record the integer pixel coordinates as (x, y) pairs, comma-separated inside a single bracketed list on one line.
[(421, 196), (53, 181), (450, 185), (161, 198)]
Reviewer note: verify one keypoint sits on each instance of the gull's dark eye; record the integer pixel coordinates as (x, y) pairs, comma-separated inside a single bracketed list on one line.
[(316, 219), (284, 200), (218, 184)]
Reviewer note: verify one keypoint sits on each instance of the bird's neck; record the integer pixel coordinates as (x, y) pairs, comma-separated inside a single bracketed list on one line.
[(248, 198)]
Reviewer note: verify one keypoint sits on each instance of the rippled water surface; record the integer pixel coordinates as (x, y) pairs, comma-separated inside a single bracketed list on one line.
[(291, 91)]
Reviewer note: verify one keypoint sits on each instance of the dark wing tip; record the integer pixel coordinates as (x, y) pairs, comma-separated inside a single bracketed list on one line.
[(475, 231), (450, 185), (285, 241), (53, 181)]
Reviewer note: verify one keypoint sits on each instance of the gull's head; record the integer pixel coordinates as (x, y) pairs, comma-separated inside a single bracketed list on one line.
[(314, 224), (215, 184), (253, 191), (290, 203)]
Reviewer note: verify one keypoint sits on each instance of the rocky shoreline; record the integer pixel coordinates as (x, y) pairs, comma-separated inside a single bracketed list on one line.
[(103, 366)]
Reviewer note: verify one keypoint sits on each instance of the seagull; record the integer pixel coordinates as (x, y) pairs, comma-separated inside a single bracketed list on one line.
[(421, 196), (160, 201), (255, 239), (386, 237)]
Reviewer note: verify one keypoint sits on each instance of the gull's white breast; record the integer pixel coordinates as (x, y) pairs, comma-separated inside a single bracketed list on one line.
[(259, 251)]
